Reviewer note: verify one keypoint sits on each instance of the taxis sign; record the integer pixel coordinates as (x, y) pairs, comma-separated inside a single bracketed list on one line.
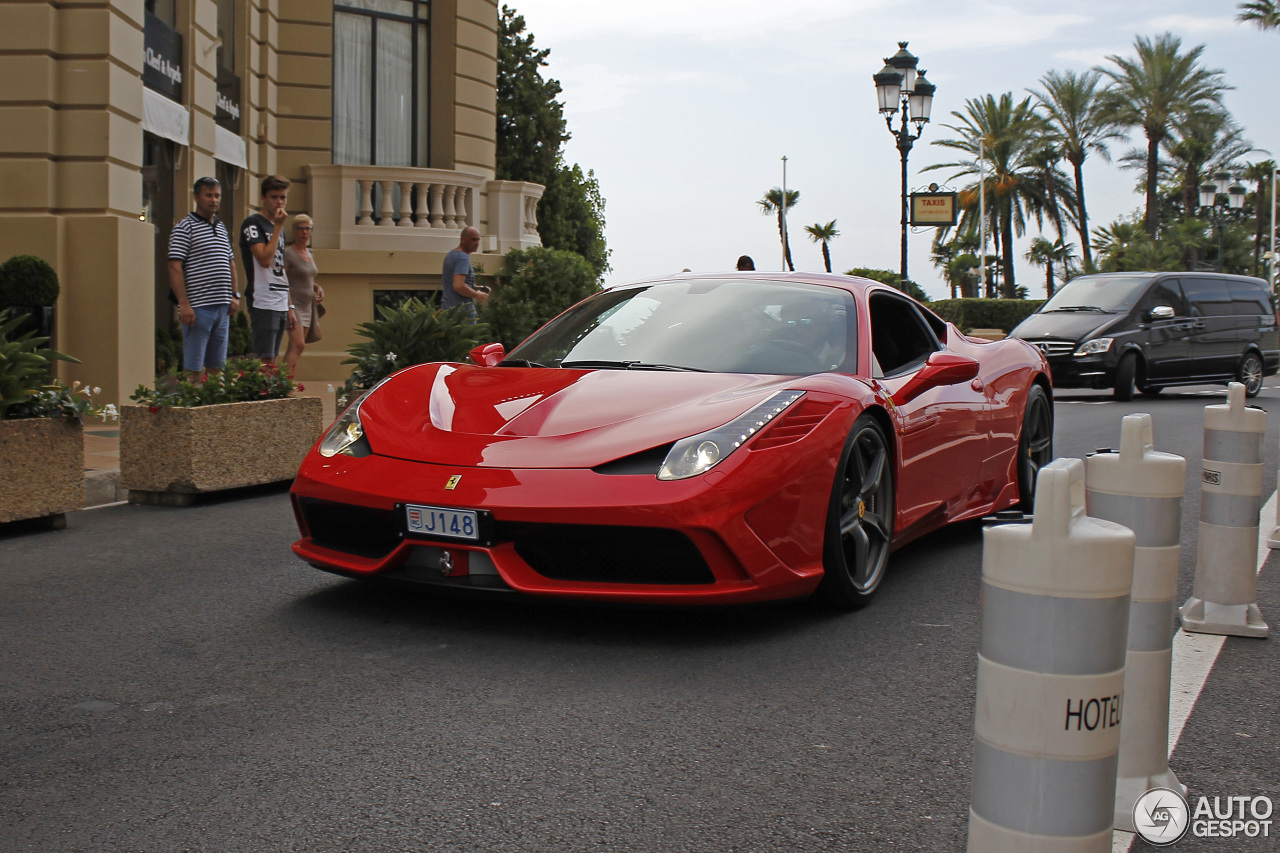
[(933, 208)]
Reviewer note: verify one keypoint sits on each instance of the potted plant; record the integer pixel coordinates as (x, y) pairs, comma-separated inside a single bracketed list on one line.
[(28, 285), (233, 428), (41, 434)]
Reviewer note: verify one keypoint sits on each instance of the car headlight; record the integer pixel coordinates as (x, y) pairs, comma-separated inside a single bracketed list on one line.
[(346, 434), (698, 454), (1094, 346)]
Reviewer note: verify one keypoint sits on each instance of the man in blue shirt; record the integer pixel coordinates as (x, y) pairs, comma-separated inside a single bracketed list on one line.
[(458, 279)]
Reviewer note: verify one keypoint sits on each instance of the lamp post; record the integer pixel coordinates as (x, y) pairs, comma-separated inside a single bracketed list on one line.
[(1209, 194), (904, 93)]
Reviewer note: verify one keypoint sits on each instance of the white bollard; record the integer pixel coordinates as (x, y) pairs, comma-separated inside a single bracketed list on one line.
[(1142, 489), (1055, 615), (1225, 598)]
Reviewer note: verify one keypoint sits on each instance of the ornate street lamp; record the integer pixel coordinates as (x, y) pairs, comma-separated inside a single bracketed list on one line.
[(1209, 194), (903, 92)]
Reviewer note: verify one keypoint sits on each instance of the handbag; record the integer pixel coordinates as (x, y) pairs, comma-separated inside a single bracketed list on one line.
[(313, 331)]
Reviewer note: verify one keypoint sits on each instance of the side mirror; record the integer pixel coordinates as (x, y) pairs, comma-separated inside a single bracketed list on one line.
[(488, 355), (1162, 312), (942, 368)]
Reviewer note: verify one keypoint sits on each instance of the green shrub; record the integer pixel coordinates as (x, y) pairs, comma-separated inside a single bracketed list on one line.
[(414, 333), (26, 390), (27, 281), (536, 285), (893, 279), (240, 381), (969, 314)]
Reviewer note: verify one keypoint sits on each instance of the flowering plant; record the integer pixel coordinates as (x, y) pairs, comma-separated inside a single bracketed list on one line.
[(26, 391), (240, 380)]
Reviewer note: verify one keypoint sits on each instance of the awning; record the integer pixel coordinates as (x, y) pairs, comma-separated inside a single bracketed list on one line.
[(165, 118), (230, 147)]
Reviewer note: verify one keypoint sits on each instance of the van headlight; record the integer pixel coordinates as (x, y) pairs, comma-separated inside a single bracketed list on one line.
[(1095, 346), (698, 454)]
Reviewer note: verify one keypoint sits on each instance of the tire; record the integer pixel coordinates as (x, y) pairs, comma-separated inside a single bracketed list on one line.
[(859, 530), (1126, 377), (1035, 445), (1249, 373)]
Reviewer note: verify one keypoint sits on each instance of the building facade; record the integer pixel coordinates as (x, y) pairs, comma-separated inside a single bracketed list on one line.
[(381, 112)]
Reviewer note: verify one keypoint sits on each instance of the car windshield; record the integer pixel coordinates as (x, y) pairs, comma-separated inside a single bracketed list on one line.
[(751, 326), (1112, 294)]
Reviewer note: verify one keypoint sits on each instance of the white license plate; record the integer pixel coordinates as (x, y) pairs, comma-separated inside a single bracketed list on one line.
[(442, 521)]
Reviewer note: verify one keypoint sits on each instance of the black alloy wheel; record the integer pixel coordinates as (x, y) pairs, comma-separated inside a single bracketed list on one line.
[(1250, 373), (1035, 445), (1126, 377), (859, 531)]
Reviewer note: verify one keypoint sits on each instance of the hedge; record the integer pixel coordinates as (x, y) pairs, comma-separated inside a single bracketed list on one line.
[(969, 314)]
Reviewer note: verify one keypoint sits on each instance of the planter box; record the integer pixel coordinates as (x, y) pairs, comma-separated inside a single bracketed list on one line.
[(43, 464), (173, 454)]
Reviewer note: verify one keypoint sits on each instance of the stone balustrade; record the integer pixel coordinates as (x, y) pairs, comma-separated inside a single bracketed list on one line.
[(400, 208)]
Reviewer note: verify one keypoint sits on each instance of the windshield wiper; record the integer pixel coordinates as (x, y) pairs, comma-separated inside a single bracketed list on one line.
[(519, 362), (628, 365), (1080, 308)]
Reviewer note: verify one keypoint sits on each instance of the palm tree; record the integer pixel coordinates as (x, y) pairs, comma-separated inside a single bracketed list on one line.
[(1044, 253), (1201, 144), (1021, 181), (1074, 107), (773, 202), (1160, 87), (1115, 242), (1261, 174), (1265, 14), (820, 233)]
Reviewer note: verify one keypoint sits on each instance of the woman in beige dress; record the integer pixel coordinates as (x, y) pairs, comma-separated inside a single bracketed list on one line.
[(300, 267)]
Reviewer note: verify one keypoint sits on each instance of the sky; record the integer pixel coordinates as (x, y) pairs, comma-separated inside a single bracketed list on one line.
[(684, 110)]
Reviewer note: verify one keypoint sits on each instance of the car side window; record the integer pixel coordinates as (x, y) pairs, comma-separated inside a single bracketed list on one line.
[(1208, 297), (1165, 292), (1249, 299), (900, 339)]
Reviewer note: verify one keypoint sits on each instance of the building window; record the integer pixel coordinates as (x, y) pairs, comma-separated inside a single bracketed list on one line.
[(380, 61), (164, 10)]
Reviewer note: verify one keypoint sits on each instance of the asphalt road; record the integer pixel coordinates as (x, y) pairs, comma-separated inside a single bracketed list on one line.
[(174, 679)]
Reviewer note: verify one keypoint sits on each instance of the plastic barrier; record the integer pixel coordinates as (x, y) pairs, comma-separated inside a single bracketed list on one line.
[(1143, 490), (1055, 616), (1225, 598)]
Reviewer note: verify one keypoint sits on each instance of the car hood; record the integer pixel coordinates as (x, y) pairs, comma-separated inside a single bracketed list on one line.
[(1069, 325), (513, 417)]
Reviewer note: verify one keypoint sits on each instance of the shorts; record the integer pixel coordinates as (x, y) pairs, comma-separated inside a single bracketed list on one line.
[(204, 343), (269, 329)]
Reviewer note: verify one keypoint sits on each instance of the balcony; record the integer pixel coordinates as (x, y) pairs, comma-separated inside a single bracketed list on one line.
[(404, 209)]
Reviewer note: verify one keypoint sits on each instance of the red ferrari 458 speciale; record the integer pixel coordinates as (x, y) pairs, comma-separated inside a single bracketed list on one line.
[(699, 439)]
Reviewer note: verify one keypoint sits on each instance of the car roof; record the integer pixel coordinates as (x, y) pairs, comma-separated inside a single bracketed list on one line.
[(851, 283)]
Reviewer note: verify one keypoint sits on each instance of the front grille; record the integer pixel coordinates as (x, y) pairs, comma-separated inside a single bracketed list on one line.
[(1053, 348), (601, 554), (351, 529)]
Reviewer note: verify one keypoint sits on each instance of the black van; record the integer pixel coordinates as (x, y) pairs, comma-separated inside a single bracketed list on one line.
[(1149, 330)]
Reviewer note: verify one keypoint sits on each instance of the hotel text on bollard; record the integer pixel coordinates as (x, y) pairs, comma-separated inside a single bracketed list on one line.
[(1142, 489), (1225, 597), (1050, 701)]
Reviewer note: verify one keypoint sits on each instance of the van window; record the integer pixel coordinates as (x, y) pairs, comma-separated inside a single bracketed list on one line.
[(1248, 298), (1209, 297), (1110, 293), (1164, 292)]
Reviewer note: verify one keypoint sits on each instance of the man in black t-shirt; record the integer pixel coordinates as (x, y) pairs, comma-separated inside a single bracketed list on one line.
[(267, 290)]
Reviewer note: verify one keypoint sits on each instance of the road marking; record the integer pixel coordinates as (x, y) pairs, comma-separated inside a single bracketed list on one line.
[(1193, 658)]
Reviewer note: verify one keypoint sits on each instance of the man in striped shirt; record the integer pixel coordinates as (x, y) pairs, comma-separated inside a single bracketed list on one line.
[(202, 275)]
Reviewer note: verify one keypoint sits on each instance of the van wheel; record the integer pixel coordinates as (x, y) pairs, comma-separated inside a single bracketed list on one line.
[(1250, 374), (1126, 376)]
